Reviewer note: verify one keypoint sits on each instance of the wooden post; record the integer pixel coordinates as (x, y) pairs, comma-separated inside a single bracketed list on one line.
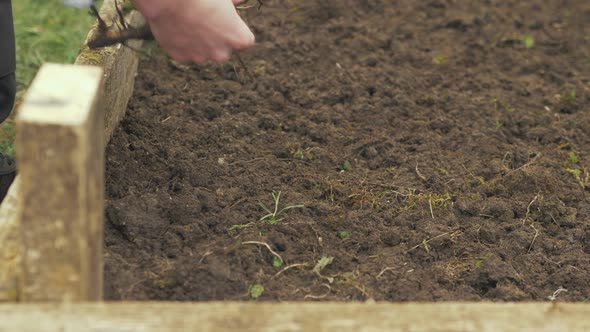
[(60, 157), (119, 64)]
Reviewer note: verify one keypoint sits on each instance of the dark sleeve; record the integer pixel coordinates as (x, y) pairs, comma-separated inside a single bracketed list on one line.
[(7, 51)]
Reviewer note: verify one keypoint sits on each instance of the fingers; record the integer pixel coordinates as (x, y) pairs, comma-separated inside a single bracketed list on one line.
[(237, 2), (201, 31), (243, 36)]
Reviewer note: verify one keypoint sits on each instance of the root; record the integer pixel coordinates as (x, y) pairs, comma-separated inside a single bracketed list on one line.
[(267, 247), (426, 241), (534, 238), (528, 210), (289, 267), (318, 297), (114, 37), (385, 270)]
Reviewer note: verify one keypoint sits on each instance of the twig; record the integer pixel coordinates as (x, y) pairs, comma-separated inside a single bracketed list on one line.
[(553, 218), (339, 66), (383, 271), (114, 37), (528, 209), (422, 177), (207, 253), (425, 242), (244, 66), (555, 294), (530, 162), (102, 26), (317, 297), (267, 247), (534, 238), (431, 211), (289, 267)]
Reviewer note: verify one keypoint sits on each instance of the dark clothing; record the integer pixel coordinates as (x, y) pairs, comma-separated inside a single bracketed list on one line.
[(7, 48), (7, 88), (7, 93), (7, 60)]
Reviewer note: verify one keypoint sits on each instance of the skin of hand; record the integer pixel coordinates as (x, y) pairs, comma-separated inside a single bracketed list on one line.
[(197, 30)]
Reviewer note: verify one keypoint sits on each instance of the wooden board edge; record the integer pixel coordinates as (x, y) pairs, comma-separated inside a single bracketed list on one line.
[(294, 316)]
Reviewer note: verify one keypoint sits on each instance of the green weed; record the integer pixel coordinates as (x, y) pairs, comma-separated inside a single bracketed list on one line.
[(273, 217), (528, 40), (277, 262), (255, 291), (346, 166)]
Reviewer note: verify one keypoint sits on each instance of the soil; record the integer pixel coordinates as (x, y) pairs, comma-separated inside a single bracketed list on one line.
[(440, 149)]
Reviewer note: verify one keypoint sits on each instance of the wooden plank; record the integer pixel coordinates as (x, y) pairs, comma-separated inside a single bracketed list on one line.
[(60, 154), (120, 66), (10, 246), (304, 317)]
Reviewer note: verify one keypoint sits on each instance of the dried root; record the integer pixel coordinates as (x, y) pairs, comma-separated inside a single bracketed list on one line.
[(124, 32)]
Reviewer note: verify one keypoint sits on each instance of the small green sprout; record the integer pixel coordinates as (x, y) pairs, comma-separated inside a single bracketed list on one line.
[(528, 41), (273, 216), (344, 235), (346, 166), (569, 97), (255, 291), (575, 172), (573, 157), (277, 262), (498, 124)]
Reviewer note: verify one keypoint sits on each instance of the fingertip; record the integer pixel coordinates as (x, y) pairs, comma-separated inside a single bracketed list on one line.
[(220, 56), (247, 39)]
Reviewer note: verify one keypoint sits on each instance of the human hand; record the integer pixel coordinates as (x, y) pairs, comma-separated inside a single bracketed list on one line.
[(196, 30)]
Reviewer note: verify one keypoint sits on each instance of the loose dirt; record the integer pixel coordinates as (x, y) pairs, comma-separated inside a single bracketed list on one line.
[(440, 149)]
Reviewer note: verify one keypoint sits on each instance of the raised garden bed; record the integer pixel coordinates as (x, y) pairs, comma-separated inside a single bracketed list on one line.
[(440, 149)]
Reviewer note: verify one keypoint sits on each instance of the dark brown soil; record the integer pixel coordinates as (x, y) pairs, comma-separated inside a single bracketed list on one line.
[(438, 158)]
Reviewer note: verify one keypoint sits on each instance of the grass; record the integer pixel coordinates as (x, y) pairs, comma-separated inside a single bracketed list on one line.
[(273, 216), (46, 31)]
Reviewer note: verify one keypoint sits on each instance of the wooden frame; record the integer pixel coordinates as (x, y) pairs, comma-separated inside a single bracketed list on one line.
[(60, 132), (119, 65), (304, 317), (51, 235)]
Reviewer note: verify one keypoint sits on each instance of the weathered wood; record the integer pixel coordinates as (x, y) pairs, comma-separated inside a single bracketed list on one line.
[(304, 317), (120, 66), (60, 155), (10, 246)]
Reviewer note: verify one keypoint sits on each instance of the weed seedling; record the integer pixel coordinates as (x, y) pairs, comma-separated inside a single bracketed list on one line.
[(277, 262), (529, 41), (346, 166), (344, 235), (273, 217), (255, 291), (440, 60), (568, 102)]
